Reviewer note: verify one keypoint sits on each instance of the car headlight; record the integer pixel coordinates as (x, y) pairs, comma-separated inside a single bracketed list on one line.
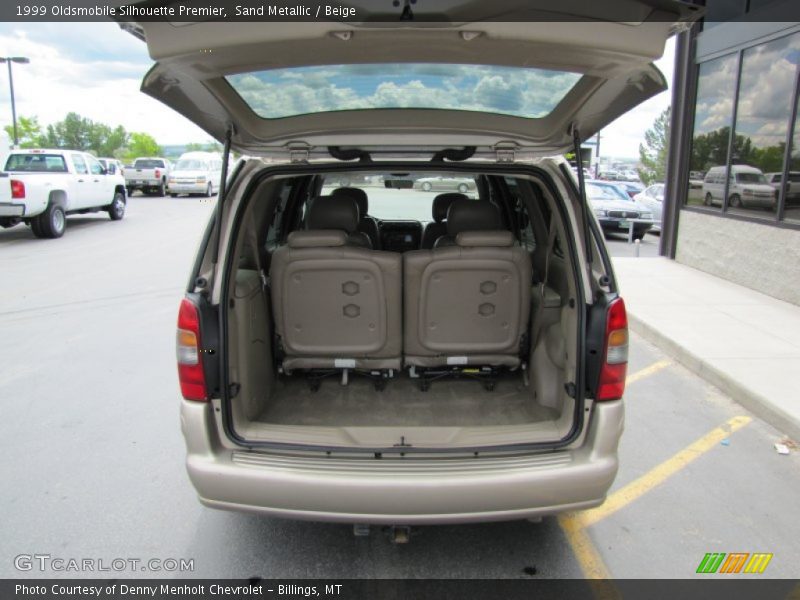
[(646, 215), (601, 213)]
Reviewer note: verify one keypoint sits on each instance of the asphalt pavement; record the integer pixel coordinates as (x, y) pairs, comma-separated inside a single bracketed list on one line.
[(92, 461)]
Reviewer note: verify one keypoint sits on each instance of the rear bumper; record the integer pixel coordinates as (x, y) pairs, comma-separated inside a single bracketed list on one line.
[(9, 209), (187, 188), (408, 490)]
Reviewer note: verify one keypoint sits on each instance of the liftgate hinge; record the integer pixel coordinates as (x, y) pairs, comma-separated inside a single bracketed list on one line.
[(504, 154)]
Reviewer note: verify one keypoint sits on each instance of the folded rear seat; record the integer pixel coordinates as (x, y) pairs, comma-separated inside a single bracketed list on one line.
[(336, 304), (467, 301)]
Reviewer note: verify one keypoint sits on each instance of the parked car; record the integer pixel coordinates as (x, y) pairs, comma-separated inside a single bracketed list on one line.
[(325, 380), (112, 166), (616, 211), (747, 187), (631, 187), (792, 185), (149, 175), (195, 173), (445, 183), (47, 185), (653, 199)]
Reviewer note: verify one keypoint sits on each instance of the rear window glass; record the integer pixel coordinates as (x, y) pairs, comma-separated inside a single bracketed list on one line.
[(517, 91), (148, 164), (50, 163)]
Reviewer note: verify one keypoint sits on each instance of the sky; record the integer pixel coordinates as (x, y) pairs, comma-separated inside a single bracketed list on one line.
[(96, 69)]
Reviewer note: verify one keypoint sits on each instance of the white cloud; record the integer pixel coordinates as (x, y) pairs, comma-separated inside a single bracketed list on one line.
[(621, 138), (102, 84)]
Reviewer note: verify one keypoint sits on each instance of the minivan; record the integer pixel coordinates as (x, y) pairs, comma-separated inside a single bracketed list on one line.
[(371, 353), (747, 187), (195, 173)]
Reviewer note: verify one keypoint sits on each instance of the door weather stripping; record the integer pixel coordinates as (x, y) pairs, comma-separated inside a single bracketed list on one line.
[(226, 155), (576, 146)]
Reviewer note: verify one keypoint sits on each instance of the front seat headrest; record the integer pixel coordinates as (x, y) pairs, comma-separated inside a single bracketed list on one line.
[(332, 212), (442, 202), (357, 194), (472, 215)]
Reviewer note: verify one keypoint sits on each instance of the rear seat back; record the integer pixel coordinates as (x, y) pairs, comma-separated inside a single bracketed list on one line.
[(336, 305), (467, 301)]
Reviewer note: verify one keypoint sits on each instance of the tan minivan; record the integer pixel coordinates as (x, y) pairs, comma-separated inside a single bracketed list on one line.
[(378, 353)]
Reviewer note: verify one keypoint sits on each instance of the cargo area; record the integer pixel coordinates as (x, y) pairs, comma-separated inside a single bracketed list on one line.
[(401, 314)]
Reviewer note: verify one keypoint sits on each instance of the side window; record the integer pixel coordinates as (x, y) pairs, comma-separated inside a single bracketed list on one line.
[(80, 164), (95, 168)]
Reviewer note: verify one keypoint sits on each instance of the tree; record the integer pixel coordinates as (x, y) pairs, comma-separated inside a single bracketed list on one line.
[(653, 156), (29, 132), (142, 144), (73, 133)]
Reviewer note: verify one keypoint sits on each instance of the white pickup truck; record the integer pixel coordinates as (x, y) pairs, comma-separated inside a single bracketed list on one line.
[(148, 175), (47, 185)]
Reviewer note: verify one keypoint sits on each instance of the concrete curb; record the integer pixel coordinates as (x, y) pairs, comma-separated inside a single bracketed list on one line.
[(752, 401)]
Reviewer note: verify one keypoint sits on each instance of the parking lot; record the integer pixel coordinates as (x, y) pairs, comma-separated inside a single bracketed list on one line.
[(93, 455)]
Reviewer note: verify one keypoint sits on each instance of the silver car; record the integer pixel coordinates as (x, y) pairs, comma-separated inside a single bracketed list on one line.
[(653, 198), (326, 379), (445, 183)]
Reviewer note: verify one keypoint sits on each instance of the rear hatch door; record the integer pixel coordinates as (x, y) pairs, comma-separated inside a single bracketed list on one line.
[(481, 74)]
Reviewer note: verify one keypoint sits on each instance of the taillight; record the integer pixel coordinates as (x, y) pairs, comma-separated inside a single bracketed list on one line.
[(615, 353), (158, 174), (190, 361), (17, 189)]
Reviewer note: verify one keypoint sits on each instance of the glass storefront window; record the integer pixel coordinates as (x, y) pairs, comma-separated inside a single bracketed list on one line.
[(763, 112), (716, 84), (791, 211)]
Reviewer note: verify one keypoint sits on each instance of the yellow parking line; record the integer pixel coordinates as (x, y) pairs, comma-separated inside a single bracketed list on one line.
[(647, 371), (589, 558), (661, 473)]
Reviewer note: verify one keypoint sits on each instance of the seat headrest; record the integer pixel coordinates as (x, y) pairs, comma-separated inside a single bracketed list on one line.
[(321, 238), (357, 194), (332, 212), (497, 238), (472, 215), (442, 203)]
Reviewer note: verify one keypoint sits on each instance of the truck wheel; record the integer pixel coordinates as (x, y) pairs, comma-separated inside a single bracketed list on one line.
[(116, 210), (173, 195), (51, 223), (37, 231), (162, 189), (130, 192)]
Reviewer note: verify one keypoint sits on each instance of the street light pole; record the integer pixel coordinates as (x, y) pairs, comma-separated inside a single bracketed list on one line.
[(8, 60)]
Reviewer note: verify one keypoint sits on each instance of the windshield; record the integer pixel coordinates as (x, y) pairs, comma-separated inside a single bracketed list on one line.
[(595, 191), (43, 163), (750, 178), (191, 164), (521, 92), (410, 197)]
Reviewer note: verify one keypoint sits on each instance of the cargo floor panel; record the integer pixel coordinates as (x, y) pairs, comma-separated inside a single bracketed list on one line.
[(448, 402)]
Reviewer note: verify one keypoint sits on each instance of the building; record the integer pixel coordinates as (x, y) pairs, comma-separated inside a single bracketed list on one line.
[(735, 139)]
